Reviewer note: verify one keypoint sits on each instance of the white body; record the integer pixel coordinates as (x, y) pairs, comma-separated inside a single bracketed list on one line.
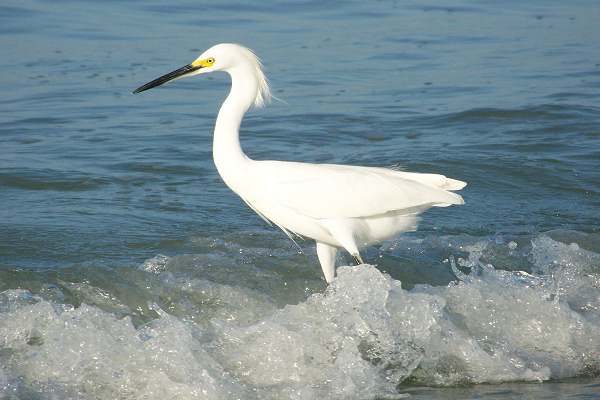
[(336, 205)]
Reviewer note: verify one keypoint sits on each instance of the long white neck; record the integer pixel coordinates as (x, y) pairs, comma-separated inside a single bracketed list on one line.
[(228, 155)]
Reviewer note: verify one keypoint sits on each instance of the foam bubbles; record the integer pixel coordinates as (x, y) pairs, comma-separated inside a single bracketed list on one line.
[(360, 338), (84, 352)]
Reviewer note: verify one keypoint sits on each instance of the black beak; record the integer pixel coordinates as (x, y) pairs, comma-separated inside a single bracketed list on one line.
[(178, 73)]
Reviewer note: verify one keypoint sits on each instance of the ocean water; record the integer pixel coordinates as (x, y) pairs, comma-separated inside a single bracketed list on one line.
[(128, 270)]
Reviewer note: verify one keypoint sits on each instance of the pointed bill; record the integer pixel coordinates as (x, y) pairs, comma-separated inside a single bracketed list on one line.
[(178, 73)]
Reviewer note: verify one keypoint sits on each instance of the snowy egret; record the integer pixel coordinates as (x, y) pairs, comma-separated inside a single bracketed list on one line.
[(339, 206)]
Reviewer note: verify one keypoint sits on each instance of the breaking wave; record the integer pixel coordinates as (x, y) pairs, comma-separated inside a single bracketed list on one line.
[(363, 337)]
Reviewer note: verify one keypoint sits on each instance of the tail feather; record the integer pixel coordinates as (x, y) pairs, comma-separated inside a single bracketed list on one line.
[(458, 200), (453, 184), (435, 180)]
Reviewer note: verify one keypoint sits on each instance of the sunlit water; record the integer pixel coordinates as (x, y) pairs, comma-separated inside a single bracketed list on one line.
[(128, 269)]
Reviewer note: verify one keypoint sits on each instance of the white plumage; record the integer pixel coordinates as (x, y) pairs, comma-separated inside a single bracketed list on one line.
[(336, 205)]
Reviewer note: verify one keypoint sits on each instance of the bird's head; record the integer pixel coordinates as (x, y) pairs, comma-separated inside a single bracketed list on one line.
[(226, 57)]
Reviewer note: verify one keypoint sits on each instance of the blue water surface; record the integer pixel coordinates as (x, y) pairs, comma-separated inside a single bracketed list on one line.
[(93, 180)]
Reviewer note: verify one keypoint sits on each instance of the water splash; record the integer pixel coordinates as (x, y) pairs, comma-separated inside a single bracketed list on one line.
[(360, 338)]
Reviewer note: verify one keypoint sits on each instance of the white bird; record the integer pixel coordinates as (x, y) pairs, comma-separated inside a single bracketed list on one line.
[(339, 206)]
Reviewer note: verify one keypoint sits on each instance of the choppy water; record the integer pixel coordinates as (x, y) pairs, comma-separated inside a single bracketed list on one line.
[(128, 269)]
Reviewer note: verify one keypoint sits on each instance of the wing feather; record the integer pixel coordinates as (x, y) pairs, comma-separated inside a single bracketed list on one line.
[(340, 191)]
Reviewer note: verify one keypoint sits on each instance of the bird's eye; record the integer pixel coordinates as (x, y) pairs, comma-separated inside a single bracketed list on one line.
[(210, 60)]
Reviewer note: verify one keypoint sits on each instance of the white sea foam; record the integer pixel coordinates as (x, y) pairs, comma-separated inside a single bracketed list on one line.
[(359, 339)]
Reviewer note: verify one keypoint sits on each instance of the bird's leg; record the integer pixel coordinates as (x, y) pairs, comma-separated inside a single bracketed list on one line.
[(343, 231), (357, 259), (326, 254)]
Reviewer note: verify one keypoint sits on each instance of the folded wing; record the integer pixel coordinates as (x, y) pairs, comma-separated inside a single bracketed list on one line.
[(341, 191)]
